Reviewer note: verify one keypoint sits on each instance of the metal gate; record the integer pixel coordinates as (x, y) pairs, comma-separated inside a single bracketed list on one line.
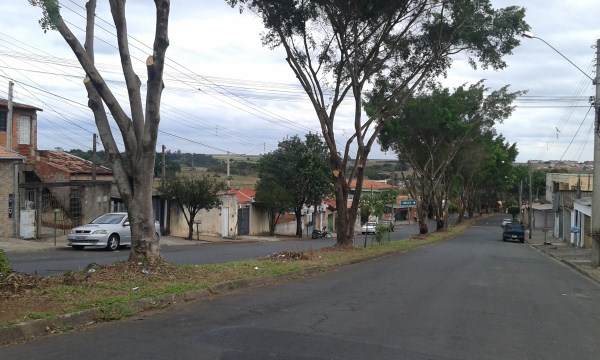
[(56, 209), (243, 221)]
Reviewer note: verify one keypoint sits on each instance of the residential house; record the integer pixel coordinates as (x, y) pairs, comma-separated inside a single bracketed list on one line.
[(373, 187), (569, 196), (56, 190), (221, 221), (9, 162), (239, 214)]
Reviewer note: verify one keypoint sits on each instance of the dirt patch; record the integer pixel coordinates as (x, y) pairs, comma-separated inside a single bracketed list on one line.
[(25, 297), (288, 256)]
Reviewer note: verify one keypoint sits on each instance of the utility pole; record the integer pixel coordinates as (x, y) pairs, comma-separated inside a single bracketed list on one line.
[(163, 162), (521, 197), (94, 159), (530, 213), (9, 117), (16, 203), (596, 186), (228, 179)]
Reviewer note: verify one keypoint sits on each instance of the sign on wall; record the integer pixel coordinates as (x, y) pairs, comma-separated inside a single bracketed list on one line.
[(10, 205)]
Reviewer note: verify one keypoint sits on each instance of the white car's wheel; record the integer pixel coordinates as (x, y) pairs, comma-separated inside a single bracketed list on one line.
[(113, 242)]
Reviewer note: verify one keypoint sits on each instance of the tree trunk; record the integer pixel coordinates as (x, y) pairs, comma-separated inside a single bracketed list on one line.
[(298, 213), (138, 127), (144, 243), (423, 229), (440, 222), (345, 232), (272, 223), (191, 227)]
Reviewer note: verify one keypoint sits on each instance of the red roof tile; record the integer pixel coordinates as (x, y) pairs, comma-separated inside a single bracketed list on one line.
[(371, 184), (10, 155), (243, 195), (70, 163)]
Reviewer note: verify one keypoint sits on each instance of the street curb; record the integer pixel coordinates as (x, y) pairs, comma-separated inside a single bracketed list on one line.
[(31, 329), (566, 262)]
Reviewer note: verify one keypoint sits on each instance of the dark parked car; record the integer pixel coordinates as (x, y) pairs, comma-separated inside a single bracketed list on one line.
[(513, 231)]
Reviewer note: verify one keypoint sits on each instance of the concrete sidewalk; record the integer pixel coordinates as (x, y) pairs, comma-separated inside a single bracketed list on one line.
[(14, 245), (579, 259)]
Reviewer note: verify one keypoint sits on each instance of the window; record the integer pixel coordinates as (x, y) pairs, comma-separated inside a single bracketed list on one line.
[(2, 121), (24, 129)]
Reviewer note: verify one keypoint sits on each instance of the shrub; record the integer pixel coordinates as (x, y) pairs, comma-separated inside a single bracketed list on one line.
[(4, 264)]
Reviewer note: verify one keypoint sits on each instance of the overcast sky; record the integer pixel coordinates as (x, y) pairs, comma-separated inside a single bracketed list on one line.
[(226, 92)]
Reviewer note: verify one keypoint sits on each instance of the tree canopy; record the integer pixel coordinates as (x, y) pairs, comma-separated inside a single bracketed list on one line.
[(301, 170), (432, 128), (337, 49)]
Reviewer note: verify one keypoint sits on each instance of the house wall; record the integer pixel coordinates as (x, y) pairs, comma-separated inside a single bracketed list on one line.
[(259, 221), (206, 222), (288, 229), (6, 188), (580, 218), (561, 182), (96, 201)]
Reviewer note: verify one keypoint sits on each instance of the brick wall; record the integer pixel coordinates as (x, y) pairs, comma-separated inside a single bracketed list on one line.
[(25, 150)]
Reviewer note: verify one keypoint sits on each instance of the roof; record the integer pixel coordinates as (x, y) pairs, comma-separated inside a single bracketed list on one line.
[(243, 195), (4, 103), (71, 163), (542, 207), (330, 202), (372, 184), (10, 155)]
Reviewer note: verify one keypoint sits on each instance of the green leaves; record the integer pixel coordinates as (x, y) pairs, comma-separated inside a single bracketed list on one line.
[(301, 168), (375, 203), (50, 12), (194, 192)]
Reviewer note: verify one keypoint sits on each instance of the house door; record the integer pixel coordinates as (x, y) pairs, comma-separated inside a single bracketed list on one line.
[(225, 222), (243, 221), (24, 131)]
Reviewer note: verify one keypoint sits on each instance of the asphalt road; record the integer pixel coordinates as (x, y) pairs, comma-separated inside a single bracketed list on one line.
[(63, 259), (473, 297)]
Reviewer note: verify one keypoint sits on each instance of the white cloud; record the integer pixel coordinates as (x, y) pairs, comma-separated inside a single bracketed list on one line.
[(225, 91)]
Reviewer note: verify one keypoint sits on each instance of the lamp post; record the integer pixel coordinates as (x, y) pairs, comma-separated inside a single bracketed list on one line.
[(596, 187)]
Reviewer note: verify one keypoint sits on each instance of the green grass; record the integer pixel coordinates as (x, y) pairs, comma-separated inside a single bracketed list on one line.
[(114, 290)]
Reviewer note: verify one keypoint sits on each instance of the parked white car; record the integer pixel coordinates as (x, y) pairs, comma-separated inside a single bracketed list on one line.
[(369, 228), (110, 230)]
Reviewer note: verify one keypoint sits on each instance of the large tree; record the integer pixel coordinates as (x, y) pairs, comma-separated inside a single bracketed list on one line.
[(431, 128), (193, 193), (481, 174), (138, 125), (301, 170), (336, 48)]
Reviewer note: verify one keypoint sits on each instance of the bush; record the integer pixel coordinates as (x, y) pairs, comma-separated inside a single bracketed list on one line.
[(4, 264), (380, 231), (453, 209)]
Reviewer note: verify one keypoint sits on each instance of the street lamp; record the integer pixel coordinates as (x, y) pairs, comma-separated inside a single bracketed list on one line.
[(596, 188)]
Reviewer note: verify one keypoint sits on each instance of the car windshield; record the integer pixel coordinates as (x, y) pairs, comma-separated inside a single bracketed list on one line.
[(108, 219)]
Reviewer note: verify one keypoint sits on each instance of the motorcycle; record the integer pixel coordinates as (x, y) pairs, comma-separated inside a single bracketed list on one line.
[(321, 233)]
